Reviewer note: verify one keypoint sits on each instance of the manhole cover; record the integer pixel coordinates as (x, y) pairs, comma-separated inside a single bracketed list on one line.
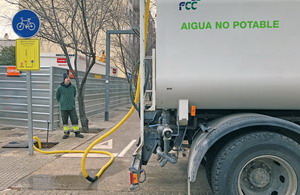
[(17, 144), (7, 128)]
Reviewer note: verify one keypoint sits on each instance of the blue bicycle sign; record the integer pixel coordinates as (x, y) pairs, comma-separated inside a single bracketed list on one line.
[(26, 23)]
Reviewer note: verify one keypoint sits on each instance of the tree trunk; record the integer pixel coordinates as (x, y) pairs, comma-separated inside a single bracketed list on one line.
[(83, 118)]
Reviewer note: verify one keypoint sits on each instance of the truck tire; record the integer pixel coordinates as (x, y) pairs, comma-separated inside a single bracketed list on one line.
[(257, 163)]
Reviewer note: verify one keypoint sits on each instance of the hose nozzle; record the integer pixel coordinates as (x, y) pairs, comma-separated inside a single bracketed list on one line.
[(92, 179)]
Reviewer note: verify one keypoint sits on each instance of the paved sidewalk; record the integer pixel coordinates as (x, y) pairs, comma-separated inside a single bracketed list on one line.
[(16, 163), (58, 174)]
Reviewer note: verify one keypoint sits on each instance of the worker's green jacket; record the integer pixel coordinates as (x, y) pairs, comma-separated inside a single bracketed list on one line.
[(65, 95)]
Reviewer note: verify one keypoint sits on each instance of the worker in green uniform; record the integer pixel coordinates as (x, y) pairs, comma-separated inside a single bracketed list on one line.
[(65, 95)]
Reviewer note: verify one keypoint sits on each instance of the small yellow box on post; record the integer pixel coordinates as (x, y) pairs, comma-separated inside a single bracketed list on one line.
[(28, 54)]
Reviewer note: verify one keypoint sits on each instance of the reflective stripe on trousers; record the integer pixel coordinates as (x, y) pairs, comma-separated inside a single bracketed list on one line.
[(66, 128), (76, 128)]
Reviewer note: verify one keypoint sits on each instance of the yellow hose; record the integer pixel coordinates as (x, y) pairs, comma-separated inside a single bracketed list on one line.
[(83, 169), (38, 149), (89, 149)]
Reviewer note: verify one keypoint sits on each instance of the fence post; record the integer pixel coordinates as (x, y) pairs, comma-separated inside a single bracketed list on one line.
[(51, 97), (107, 77)]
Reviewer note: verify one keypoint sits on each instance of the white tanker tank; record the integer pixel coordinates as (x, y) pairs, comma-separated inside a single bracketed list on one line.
[(228, 54), (227, 90)]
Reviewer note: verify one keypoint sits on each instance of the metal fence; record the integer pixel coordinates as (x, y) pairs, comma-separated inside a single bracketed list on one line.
[(46, 114)]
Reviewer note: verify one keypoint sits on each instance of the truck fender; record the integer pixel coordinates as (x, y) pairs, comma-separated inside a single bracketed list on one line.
[(220, 127)]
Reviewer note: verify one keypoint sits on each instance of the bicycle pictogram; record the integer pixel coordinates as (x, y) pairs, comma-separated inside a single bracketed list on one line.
[(27, 24)]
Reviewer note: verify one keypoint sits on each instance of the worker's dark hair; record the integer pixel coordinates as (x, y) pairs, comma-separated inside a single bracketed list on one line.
[(65, 75)]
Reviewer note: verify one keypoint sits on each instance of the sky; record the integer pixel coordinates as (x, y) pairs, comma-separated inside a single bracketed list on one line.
[(7, 11)]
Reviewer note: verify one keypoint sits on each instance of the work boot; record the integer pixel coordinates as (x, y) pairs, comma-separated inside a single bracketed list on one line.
[(66, 135), (78, 134)]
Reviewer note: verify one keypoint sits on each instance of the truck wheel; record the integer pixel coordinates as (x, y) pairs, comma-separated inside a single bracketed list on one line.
[(263, 163)]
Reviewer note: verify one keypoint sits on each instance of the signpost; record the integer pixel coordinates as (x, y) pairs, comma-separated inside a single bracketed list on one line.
[(107, 72), (26, 24)]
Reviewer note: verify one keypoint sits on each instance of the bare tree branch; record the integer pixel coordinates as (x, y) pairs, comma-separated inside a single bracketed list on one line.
[(76, 26)]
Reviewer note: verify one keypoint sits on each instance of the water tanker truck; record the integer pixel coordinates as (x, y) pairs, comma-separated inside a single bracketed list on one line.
[(226, 85)]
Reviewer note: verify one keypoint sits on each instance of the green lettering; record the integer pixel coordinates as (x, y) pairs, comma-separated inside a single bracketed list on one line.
[(255, 24), (194, 25), (186, 5), (235, 24), (201, 26), (276, 24), (221, 25), (262, 24), (250, 24), (268, 25), (218, 25), (193, 5), (243, 24), (226, 25), (183, 26), (208, 26)]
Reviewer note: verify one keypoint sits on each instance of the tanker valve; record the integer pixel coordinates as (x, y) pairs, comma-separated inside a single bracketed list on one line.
[(167, 133)]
